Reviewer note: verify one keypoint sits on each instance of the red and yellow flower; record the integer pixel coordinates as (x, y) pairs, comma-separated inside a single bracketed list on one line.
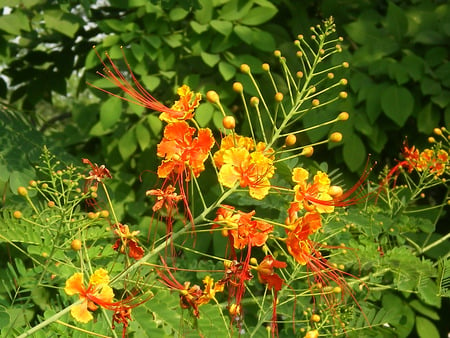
[(97, 293), (127, 242), (184, 108), (242, 229)]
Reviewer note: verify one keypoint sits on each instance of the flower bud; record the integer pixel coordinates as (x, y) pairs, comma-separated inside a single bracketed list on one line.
[(265, 67), (343, 116), (76, 245), (315, 102), (245, 68), (343, 82), (343, 95), (277, 53), (254, 101), (279, 97), (307, 151), (17, 214), (290, 140), (238, 87), (22, 191), (335, 137), (212, 96), (315, 318), (437, 131), (345, 64), (330, 75), (229, 122)]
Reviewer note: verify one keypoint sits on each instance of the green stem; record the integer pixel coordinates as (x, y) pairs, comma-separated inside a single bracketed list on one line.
[(48, 321)]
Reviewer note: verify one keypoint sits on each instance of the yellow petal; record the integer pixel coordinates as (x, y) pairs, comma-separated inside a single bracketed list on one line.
[(81, 313), (99, 277)]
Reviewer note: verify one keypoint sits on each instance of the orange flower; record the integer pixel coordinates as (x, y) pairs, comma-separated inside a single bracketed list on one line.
[(183, 109), (190, 297), (251, 169), (242, 229), (127, 242), (298, 243), (97, 293), (166, 198), (266, 275), (312, 196), (181, 150)]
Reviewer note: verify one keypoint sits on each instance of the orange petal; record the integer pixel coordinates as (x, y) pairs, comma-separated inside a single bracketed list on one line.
[(74, 285)]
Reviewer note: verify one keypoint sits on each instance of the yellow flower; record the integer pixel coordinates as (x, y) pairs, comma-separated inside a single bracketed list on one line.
[(97, 293)]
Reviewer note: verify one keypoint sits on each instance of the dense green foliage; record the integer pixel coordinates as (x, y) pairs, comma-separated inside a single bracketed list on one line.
[(399, 86)]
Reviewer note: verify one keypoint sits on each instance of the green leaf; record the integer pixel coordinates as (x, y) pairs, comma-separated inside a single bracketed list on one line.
[(430, 86), (205, 14), (138, 51), (263, 41), (127, 144), (143, 136), (419, 307), (14, 23), (226, 70), (151, 82), (397, 103), (354, 152), (198, 28), (204, 114), (428, 292), (427, 119), (210, 59), (221, 26), (425, 328), (414, 65), (177, 14), (110, 112), (64, 23), (259, 15), (155, 124), (244, 33), (396, 21)]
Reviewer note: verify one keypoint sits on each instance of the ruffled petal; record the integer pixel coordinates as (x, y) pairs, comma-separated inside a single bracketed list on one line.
[(74, 285)]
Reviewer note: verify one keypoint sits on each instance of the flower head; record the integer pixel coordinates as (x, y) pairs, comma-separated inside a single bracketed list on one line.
[(127, 242), (166, 198), (252, 169), (183, 109), (182, 151), (97, 293)]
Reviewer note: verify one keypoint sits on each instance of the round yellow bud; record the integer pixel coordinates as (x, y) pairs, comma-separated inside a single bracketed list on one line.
[(345, 64), (44, 186), (308, 151), (254, 101), (299, 74), (343, 116), (76, 245), (315, 318), (104, 213), (265, 67), (290, 140), (253, 261), (229, 122), (51, 204), (212, 96), (17, 214), (277, 53), (312, 334), (335, 137), (33, 183), (299, 54), (315, 102), (279, 97), (238, 87), (330, 76), (335, 191), (343, 82), (437, 131), (245, 68), (343, 95), (22, 191), (431, 139)]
